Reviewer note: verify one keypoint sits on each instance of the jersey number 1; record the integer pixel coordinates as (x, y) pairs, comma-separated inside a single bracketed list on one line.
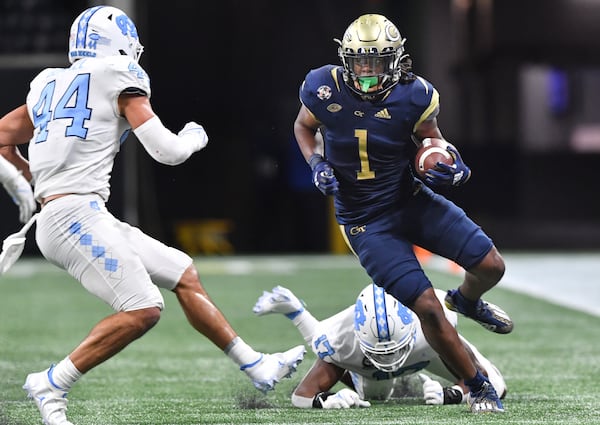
[(365, 171)]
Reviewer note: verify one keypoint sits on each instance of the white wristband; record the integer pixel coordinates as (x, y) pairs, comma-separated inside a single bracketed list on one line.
[(302, 402)]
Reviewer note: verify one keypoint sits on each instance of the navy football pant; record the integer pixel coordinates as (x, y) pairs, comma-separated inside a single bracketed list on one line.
[(384, 245)]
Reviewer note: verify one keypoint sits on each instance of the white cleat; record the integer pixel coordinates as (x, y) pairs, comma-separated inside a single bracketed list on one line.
[(50, 400), (281, 300), (272, 368)]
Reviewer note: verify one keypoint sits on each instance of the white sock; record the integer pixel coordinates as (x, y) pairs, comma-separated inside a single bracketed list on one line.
[(64, 374), (306, 325), (242, 354)]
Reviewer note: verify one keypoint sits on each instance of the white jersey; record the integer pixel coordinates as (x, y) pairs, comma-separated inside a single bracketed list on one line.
[(78, 128), (334, 342)]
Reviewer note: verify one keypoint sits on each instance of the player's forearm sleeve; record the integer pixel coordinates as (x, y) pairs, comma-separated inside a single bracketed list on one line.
[(165, 146)]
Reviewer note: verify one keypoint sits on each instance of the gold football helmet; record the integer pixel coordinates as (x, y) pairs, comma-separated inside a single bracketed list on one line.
[(372, 53)]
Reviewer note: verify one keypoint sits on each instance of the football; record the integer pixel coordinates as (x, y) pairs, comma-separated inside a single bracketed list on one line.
[(430, 153)]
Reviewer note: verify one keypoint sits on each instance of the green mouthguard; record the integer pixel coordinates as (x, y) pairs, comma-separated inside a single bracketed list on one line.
[(367, 82)]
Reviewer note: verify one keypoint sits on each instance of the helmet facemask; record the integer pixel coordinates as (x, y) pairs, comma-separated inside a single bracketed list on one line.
[(388, 356), (384, 327), (372, 54)]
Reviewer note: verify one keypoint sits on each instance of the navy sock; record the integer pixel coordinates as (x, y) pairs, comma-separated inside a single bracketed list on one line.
[(476, 382), (470, 306)]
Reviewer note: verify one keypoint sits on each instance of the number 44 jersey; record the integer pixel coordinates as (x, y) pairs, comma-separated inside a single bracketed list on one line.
[(78, 126)]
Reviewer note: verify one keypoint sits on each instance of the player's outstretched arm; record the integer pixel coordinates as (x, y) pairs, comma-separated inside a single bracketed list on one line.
[(313, 390), (160, 143)]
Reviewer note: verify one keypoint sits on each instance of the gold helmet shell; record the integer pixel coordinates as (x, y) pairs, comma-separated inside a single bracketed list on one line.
[(372, 53)]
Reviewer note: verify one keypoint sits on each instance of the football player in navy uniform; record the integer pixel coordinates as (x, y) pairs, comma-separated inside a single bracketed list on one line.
[(373, 111)]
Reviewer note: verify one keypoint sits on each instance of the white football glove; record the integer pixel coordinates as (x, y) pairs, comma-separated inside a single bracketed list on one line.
[(433, 392), (195, 133), (344, 399), (18, 188)]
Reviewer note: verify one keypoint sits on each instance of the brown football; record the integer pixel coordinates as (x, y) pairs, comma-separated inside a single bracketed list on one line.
[(430, 153)]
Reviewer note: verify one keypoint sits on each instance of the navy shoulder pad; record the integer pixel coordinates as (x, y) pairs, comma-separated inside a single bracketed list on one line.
[(421, 92)]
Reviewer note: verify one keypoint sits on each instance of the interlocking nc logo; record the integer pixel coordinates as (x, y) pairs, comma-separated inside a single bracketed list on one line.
[(358, 229), (359, 113)]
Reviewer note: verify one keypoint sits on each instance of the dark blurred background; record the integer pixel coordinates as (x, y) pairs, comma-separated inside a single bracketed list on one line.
[(519, 82)]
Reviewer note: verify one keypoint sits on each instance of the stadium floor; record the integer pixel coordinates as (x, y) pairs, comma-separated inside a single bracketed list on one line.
[(568, 279)]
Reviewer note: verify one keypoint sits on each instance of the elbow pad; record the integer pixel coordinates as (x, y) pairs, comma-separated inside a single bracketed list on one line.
[(168, 148)]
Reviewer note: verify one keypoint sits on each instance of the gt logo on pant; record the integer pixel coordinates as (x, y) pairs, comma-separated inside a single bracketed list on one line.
[(358, 229)]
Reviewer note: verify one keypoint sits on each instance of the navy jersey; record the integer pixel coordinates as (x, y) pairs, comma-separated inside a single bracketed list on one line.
[(368, 144)]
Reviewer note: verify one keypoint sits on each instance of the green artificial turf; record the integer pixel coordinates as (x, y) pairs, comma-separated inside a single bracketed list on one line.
[(173, 375)]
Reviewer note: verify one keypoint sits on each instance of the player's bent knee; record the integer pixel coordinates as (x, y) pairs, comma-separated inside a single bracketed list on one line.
[(151, 317), (429, 310), (491, 268), (144, 319), (499, 265), (189, 282)]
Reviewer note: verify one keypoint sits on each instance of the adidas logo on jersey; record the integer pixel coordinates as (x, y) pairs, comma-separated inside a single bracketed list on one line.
[(383, 114)]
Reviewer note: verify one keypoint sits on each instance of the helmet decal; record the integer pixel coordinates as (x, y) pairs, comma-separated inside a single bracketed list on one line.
[(126, 26), (360, 318), (404, 314), (82, 28), (391, 32)]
